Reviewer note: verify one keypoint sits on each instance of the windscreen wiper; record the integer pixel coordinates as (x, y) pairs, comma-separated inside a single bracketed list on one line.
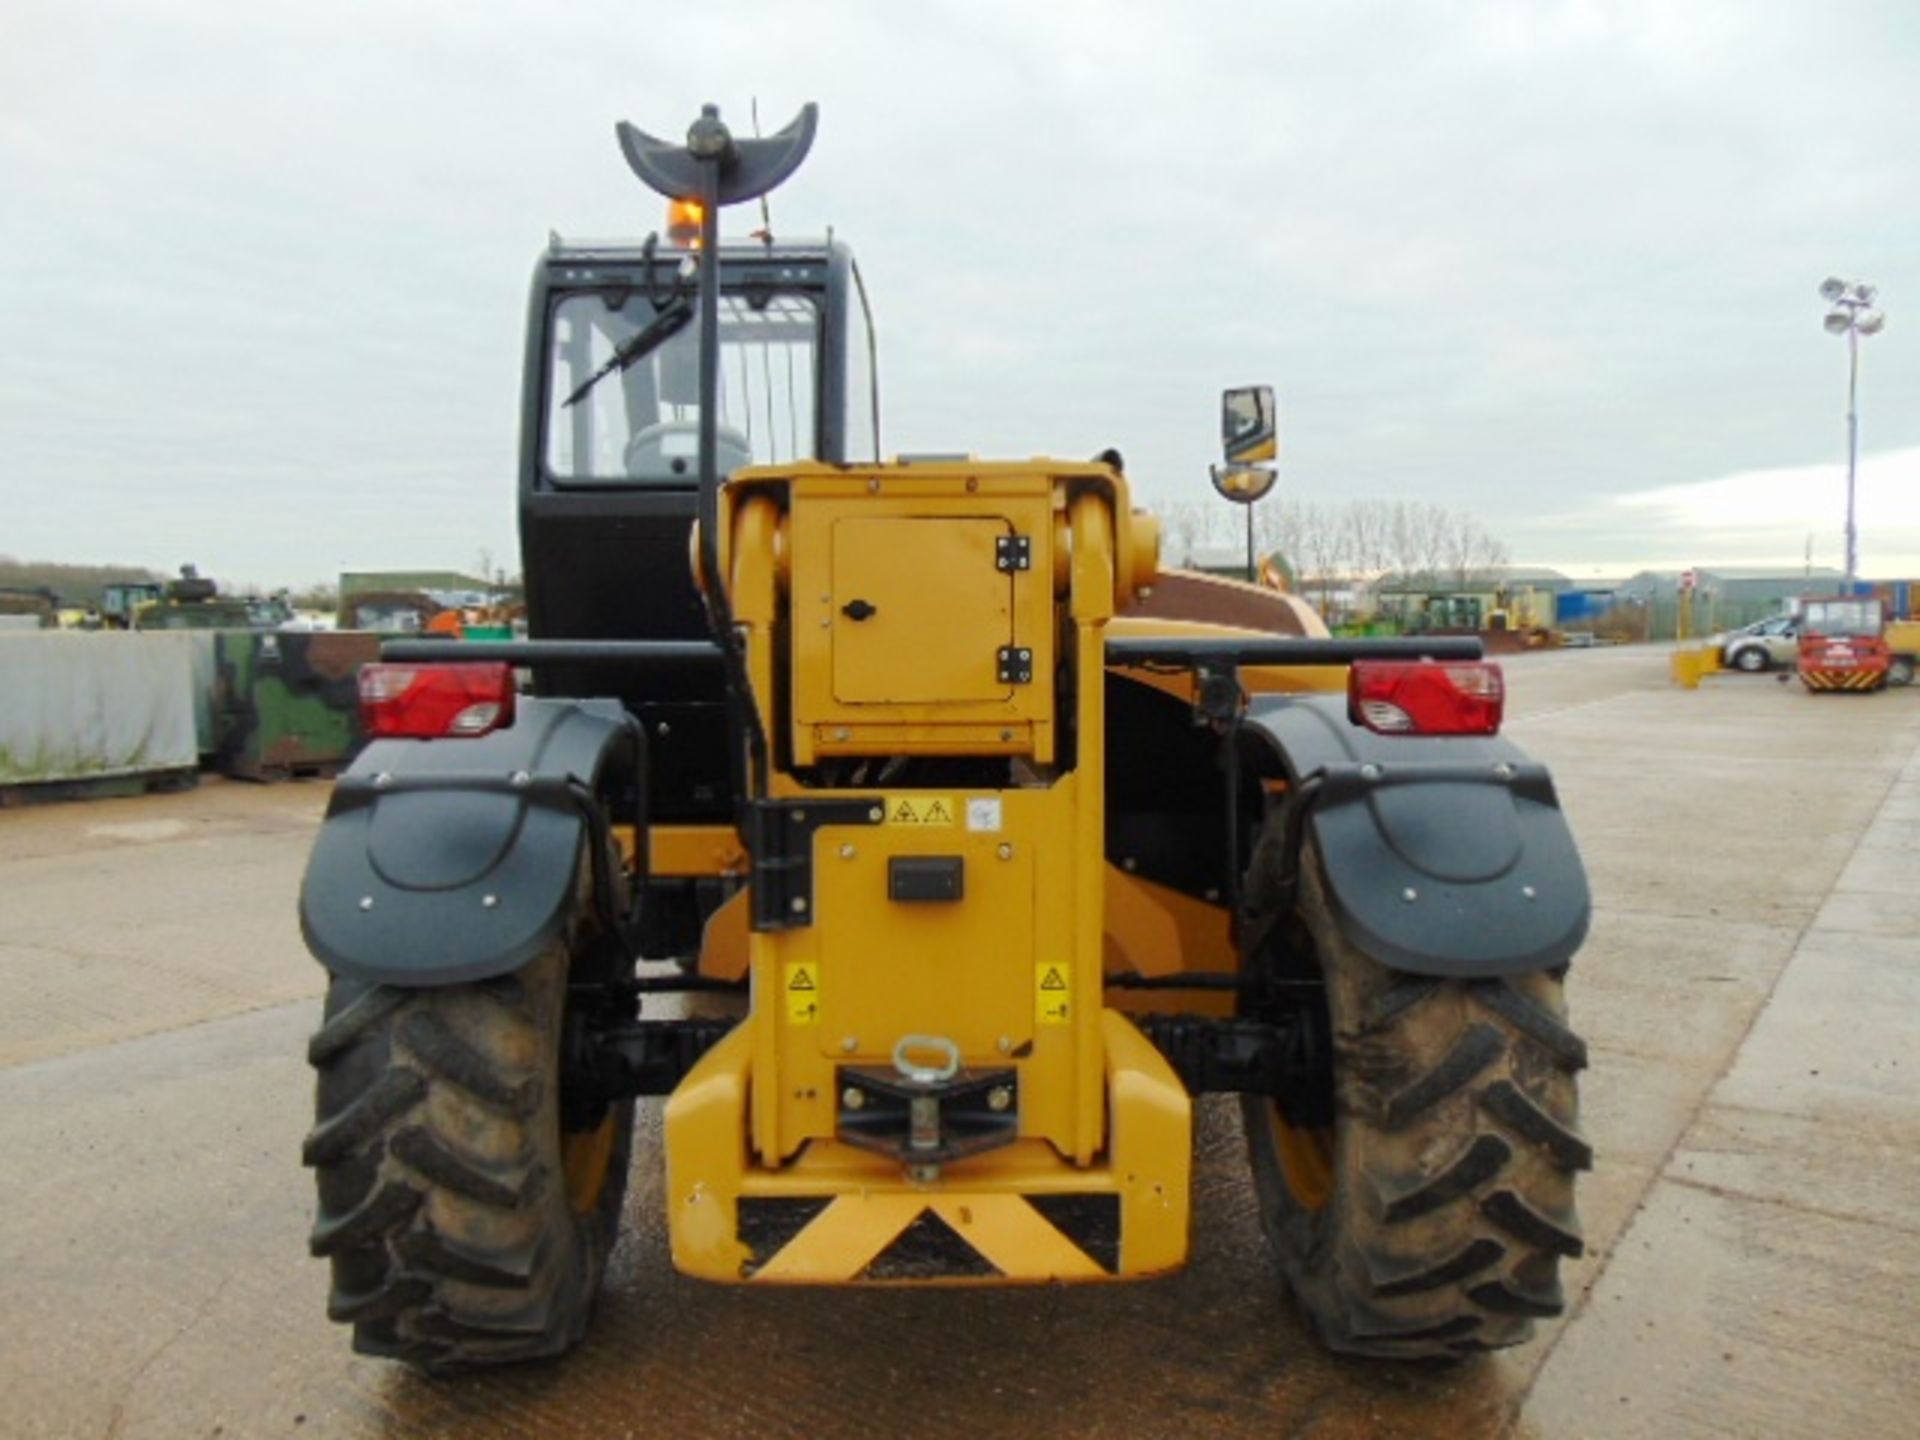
[(662, 328)]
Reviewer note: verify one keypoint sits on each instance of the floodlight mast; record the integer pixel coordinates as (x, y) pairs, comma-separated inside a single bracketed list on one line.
[(1852, 315)]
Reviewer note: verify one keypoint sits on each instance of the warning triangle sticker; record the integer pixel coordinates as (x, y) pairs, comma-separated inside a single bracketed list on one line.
[(937, 813), (1053, 980), (801, 981), (904, 815)]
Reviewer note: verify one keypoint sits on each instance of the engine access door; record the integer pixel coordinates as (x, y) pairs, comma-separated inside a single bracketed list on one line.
[(922, 611)]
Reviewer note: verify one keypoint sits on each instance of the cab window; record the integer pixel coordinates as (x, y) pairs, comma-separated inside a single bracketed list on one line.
[(640, 423)]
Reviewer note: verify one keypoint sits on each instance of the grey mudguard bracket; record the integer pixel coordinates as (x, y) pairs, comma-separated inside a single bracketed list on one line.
[(1446, 857), (443, 861)]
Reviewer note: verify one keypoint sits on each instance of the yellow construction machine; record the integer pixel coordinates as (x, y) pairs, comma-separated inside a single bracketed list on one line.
[(978, 871)]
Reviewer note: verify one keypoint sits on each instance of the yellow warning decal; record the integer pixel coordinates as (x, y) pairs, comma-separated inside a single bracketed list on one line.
[(803, 993), (920, 810), (1051, 982)]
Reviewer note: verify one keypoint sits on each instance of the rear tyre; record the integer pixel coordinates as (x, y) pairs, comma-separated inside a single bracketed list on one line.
[(1752, 660), (1430, 1217), (467, 1207), (1900, 670)]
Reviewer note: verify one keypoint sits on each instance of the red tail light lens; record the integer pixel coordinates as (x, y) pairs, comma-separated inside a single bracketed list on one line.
[(431, 702), (1425, 697)]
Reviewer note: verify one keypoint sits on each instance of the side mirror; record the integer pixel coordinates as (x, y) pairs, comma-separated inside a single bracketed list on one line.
[(1248, 430), (1248, 436)]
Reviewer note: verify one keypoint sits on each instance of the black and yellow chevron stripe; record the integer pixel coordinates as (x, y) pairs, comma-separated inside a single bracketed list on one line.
[(919, 1238), (1857, 680)]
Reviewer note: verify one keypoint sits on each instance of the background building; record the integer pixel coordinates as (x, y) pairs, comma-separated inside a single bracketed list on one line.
[(1725, 596)]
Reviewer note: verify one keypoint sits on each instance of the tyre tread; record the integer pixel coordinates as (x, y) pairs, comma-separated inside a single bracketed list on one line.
[(1458, 1143), (391, 1096), (1508, 1299), (1512, 1214), (1533, 1021), (1477, 1048), (413, 1107), (1477, 1256), (441, 1048), (1485, 1157), (419, 1148), (352, 1021), (389, 1206), (1507, 1103)]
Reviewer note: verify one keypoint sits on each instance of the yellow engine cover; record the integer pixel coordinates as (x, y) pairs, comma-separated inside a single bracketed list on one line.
[(914, 630), (937, 611)]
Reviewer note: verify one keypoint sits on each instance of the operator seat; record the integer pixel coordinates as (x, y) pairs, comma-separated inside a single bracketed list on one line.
[(669, 453)]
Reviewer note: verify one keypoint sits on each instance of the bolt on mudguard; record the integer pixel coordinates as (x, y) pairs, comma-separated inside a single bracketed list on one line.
[(1444, 857), (444, 861)]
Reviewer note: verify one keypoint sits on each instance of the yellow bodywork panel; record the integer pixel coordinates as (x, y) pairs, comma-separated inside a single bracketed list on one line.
[(995, 1204), (947, 610), (960, 969), (1155, 930), (937, 611), (900, 606), (723, 944), (687, 850)]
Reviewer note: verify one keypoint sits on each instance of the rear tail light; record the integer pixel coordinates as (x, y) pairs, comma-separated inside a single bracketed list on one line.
[(1425, 697), (429, 702)]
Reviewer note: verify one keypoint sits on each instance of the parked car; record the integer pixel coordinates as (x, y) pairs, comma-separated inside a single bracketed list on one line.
[(1762, 645)]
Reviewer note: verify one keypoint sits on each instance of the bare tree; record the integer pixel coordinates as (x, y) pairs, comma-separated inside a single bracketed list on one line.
[(1456, 546), (1367, 536), (1432, 534), (1353, 543), (1403, 539), (1366, 524), (1405, 547), (1341, 561), (1472, 552), (1320, 548), (1190, 524), (1490, 553)]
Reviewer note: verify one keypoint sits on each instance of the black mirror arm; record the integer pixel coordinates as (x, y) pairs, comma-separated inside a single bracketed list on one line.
[(718, 170)]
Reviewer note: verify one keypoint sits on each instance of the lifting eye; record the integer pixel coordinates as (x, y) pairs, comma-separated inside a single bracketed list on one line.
[(859, 610)]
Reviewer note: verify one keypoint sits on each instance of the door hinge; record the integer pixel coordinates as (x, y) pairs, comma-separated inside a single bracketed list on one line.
[(780, 840), (1012, 552), (1016, 665)]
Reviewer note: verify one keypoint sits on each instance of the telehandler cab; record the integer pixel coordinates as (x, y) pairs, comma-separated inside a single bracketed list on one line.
[(989, 869)]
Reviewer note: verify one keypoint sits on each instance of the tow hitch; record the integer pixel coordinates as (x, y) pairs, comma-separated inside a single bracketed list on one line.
[(926, 1115)]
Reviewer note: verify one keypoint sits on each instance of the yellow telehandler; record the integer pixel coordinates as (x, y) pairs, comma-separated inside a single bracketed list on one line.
[(978, 868)]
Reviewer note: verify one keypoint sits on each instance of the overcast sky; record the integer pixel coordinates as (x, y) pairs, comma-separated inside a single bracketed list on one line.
[(263, 267)]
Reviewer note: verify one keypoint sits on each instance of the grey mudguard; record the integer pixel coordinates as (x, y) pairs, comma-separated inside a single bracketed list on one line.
[(442, 861), (1443, 856)]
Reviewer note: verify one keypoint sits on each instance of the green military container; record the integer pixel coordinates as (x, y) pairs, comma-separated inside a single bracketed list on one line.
[(287, 703)]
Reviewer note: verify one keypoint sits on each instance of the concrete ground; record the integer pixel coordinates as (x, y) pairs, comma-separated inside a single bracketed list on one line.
[(1750, 992)]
